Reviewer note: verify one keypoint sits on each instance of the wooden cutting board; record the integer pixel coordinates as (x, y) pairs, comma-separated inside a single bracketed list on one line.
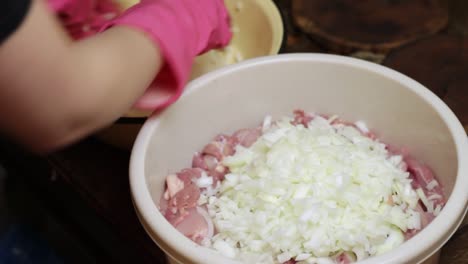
[(345, 26)]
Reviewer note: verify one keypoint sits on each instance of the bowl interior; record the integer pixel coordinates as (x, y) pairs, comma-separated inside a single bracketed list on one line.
[(398, 109)]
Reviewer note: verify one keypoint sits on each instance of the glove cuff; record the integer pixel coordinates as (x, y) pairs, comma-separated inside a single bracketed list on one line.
[(178, 58)]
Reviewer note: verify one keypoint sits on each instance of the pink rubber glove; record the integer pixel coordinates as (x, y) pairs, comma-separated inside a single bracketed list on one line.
[(83, 18), (182, 29)]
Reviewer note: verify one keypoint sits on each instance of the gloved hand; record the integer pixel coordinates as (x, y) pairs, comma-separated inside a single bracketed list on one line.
[(83, 18), (182, 29)]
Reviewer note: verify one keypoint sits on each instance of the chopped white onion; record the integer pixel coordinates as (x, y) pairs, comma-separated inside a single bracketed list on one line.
[(324, 261), (427, 203), (437, 210), (307, 193), (283, 257), (302, 256), (432, 184), (204, 181), (266, 123), (332, 118), (414, 221), (224, 248), (209, 222), (362, 126), (434, 196)]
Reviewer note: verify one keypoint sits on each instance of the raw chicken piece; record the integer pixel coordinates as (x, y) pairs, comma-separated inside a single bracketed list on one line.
[(344, 258), (246, 137), (301, 117), (193, 226)]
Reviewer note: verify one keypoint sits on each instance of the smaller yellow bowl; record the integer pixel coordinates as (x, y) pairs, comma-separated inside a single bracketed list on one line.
[(257, 31)]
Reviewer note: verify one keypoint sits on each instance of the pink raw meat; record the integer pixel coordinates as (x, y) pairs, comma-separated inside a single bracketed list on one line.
[(301, 117), (344, 258), (188, 175), (186, 198), (193, 226), (246, 137)]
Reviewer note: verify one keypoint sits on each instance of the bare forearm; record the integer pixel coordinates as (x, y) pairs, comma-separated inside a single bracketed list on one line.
[(56, 91), (105, 82)]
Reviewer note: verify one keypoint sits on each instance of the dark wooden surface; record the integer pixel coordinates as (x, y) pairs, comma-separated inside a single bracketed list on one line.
[(95, 175), (372, 25), (441, 63), (99, 175)]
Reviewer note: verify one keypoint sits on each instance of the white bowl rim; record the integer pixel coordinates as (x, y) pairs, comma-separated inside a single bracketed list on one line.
[(435, 235)]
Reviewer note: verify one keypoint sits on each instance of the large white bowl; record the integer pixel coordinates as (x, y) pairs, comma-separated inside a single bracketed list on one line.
[(399, 109)]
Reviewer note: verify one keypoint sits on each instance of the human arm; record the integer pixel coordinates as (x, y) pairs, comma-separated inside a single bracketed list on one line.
[(54, 91)]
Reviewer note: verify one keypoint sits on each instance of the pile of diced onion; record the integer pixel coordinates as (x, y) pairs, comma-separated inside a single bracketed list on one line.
[(310, 193)]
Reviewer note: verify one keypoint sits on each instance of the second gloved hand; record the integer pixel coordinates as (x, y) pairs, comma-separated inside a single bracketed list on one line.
[(84, 18), (182, 29)]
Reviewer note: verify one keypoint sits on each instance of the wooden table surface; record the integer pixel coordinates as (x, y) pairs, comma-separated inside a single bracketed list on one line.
[(98, 176)]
